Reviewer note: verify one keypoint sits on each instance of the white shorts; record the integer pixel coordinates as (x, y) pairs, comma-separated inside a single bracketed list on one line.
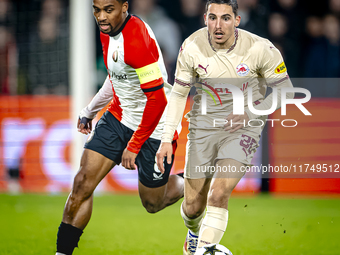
[(206, 147)]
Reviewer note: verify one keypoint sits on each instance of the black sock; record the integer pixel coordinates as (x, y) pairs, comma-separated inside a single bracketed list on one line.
[(67, 238)]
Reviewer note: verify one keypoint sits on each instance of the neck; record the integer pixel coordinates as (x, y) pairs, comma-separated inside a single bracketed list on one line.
[(119, 26)]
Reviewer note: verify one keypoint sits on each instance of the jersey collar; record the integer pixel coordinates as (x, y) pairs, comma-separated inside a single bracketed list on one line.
[(122, 26)]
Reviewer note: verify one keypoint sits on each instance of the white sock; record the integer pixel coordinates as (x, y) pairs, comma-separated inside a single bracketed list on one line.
[(193, 224), (213, 226), (58, 253)]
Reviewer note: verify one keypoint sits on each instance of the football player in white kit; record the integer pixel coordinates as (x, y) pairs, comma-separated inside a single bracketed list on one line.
[(130, 130), (213, 56)]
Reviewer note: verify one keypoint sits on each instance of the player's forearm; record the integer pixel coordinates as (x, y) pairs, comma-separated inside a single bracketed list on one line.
[(99, 101), (268, 101), (154, 108), (176, 107)]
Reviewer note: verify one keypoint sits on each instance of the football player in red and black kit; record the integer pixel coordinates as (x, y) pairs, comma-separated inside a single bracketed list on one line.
[(130, 130)]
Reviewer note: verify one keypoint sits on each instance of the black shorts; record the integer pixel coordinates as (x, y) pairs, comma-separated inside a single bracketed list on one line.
[(110, 138)]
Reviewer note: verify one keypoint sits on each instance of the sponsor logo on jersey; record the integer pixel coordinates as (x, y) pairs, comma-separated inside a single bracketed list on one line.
[(119, 76), (115, 56), (205, 69), (281, 68), (242, 69)]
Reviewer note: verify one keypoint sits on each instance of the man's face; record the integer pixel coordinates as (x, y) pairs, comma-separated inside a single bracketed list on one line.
[(221, 23), (109, 14)]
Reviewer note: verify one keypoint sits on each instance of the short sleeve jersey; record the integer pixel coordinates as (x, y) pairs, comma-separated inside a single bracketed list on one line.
[(135, 65), (251, 61)]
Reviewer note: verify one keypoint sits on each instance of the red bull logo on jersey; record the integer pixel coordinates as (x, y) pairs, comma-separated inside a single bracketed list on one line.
[(242, 69)]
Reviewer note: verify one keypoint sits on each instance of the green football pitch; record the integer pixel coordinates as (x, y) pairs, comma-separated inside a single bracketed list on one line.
[(120, 225)]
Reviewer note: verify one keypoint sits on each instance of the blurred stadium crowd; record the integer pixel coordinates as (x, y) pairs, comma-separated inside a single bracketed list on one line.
[(34, 38)]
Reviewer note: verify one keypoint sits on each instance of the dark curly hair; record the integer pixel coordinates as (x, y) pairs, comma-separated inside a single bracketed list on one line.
[(232, 3)]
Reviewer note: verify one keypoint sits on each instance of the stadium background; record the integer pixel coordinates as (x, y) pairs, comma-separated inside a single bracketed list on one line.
[(35, 116), (298, 215)]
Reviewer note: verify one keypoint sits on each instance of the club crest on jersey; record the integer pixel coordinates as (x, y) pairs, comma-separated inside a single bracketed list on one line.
[(242, 69), (115, 56)]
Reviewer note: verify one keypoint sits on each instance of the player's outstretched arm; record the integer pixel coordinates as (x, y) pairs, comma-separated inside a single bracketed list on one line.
[(176, 106), (99, 101), (177, 102)]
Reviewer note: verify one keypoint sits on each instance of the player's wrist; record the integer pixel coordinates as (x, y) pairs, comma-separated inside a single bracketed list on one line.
[(166, 137), (87, 114), (166, 140), (132, 148)]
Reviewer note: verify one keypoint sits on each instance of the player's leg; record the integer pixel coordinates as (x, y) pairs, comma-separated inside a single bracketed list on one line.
[(216, 219), (102, 150), (78, 208), (195, 201), (192, 210), (155, 199), (157, 190), (201, 152)]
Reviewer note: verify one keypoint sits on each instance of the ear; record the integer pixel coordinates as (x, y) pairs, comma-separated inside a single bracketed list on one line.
[(237, 21), (205, 19), (125, 7)]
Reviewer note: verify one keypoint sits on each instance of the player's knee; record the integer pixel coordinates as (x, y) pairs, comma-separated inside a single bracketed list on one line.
[(219, 197), (194, 209), (82, 186), (152, 206)]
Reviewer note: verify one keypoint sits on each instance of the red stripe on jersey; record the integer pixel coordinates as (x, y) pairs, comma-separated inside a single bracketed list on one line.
[(152, 114), (105, 39), (140, 49), (114, 106)]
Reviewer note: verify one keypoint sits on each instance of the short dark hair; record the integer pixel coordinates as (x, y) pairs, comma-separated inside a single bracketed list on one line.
[(232, 3), (122, 1)]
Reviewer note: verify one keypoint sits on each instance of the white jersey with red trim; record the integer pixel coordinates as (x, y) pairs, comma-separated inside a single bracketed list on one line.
[(136, 67)]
